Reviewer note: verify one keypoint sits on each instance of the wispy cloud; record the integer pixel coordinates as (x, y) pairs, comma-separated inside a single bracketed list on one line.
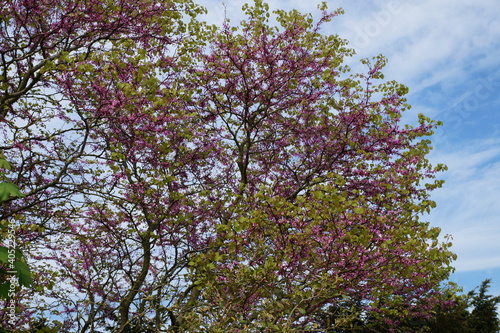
[(427, 42), (468, 206)]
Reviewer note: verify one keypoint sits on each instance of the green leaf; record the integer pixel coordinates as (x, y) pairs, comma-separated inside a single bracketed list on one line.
[(359, 210), (4, 164), (9, 189), (20, 266), (23, 273), (4, 290), (4, 254)]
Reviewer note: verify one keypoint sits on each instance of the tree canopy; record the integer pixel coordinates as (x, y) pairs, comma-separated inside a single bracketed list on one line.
[(180, 177)]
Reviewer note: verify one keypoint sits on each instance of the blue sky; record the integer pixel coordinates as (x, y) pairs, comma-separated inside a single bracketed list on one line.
[(448, 53)]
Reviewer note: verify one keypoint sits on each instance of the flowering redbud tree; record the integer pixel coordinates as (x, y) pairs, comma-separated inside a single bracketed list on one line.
[(181, 178)]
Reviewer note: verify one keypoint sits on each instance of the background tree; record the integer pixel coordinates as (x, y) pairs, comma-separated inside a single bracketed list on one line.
[(234, 180), (484, 316), (456, 313), (450, 316), (473, 312)]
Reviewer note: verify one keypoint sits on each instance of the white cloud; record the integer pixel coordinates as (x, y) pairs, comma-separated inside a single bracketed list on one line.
[(468, 206), (427, 42)]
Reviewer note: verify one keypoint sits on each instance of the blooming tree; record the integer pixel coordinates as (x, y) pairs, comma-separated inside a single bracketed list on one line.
[(237, 179)]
